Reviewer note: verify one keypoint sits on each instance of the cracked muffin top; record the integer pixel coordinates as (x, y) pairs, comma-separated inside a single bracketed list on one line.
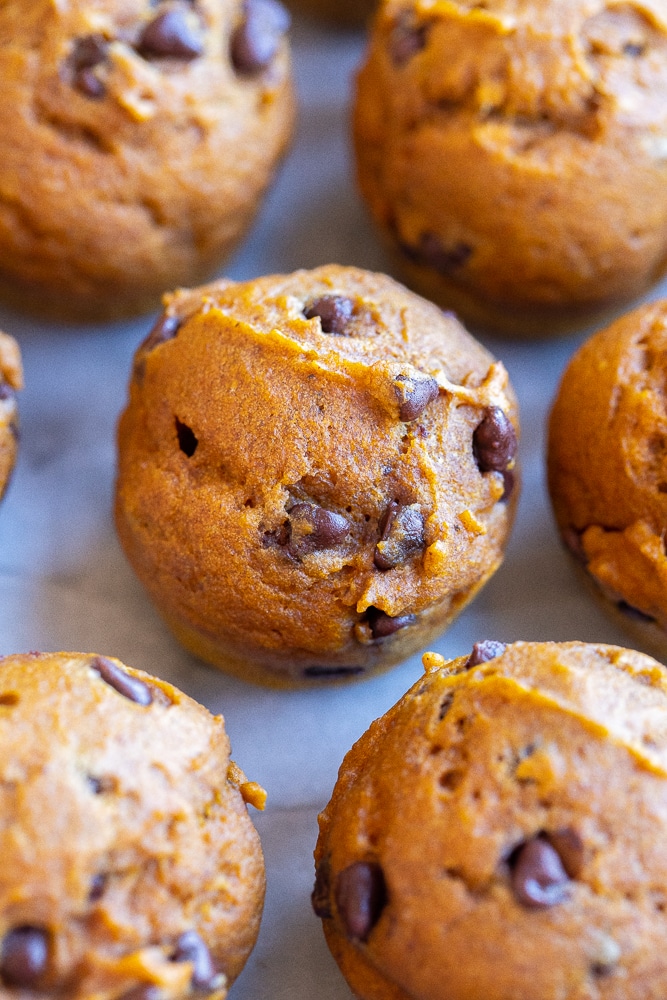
[(500, 831), (316, 471), (131, 868), (607, 460), (492, 147), (140, 136)]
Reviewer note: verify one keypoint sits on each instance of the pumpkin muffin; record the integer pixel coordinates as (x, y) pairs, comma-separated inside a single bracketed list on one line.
[(11, 379), (315, 472), (500, 832), (131, 868), (140, 136), (492, 148)]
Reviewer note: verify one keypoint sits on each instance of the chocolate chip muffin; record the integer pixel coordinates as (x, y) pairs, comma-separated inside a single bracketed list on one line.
[(492, 148), (131, 868), (315, 473), (500, 832), (140, 136), (608, 466), (11, 379)]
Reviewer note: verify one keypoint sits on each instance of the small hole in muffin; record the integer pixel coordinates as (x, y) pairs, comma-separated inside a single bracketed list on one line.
[(249, 502), (187, 440), (9, 698), (451, 779), (445, 705)]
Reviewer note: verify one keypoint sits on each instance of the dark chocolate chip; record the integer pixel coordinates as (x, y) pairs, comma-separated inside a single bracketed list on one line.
[(191, 948), (312, 527), (170, 36), (164, 329), (570, 849), (406, 40), (334, 312), (401, 534), (256, 39), (89, 84), (494, 441), (320, 894), (361, 895), (187, 439), (98, 884), (322, 671), (382, 625), (538, 877), (632, 612), (414, 395), (130, 687), (88, 52), (24, 956), (482, 652), (6, 391), (509, 482), (443, 259)]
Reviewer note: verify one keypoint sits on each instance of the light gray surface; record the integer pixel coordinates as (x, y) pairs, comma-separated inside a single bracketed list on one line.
[(64, 583)]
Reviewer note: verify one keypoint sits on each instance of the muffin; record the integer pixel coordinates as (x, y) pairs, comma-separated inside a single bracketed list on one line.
[(492, 148), (608, 466), (315, 472), (11, 379), (140, 136), (130, 866), (500, 832)]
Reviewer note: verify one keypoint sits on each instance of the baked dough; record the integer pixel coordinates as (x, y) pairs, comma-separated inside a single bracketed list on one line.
[(139, 138), (499, 833), (130, 866), (514, 154), (315, 472)]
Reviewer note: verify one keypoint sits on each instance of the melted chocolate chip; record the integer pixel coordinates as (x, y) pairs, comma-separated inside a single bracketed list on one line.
[(24, 956), (164, 329), (312, 527), (482, 652), (538, 877), (414, 395), (334, 312), (98, 884), (382, 625), (191, 948), (129, 687), (256, 39), (187, 439), (401, 534), (494, 441), (361, 895), (322, 671), (170, 36), (405, 41), (319, 897)]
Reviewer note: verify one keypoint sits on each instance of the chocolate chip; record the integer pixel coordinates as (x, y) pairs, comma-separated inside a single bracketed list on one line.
[(98, 884), (570, 849), (482, 652), (401, 534), (88, 52), (321, 671), (631, 612), (382, 625), (538, 877), (256, 39), (191, 948), (405, 41), (129, 687), (494, 441), (319, 897), (89, 84), (414, 395), (164, 329), (96, 786), (170, 36), (444, 259), (361, 895), (24, 956), (311, 527), (6, 391), (509, 482), (334, 312), (187, 440), (633, 49)]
